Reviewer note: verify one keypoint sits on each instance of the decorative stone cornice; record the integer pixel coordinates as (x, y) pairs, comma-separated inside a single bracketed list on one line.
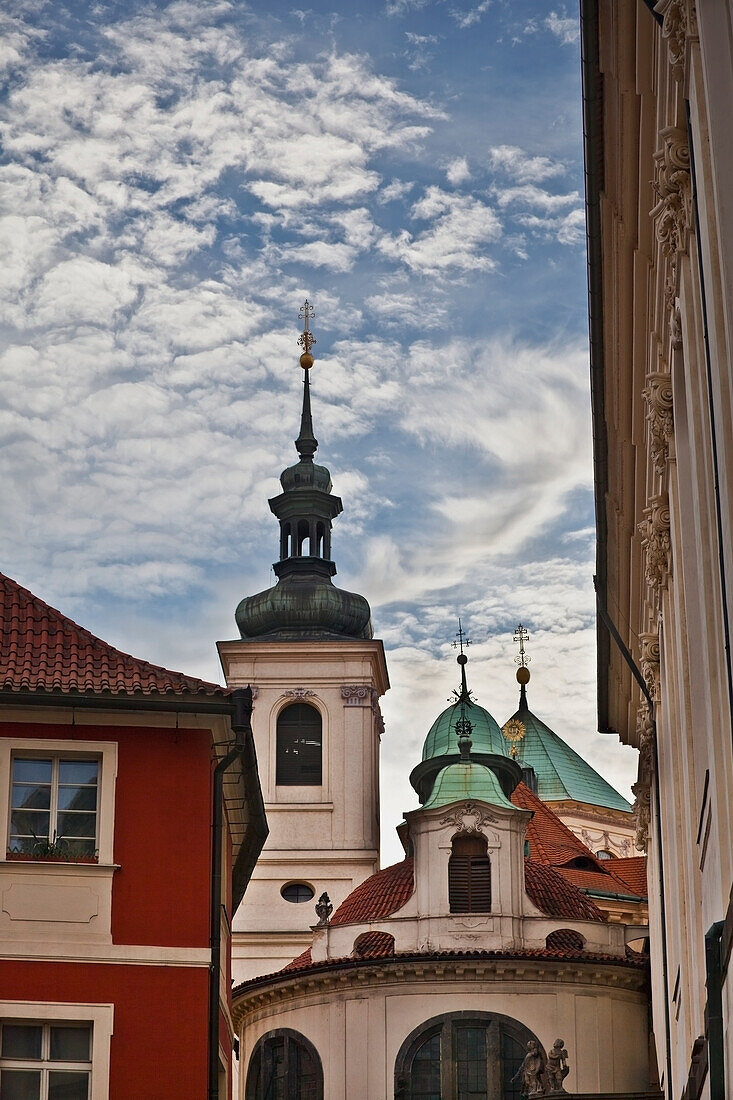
[(469, 818), (655, 540), (679, 26), (286, 988), (658, 398), (362, 695)]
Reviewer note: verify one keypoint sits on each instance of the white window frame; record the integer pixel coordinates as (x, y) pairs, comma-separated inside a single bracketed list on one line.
[(104, 751), (99, 1016)]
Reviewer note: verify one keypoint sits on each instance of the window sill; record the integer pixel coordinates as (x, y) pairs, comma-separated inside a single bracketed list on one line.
[(73, 865)]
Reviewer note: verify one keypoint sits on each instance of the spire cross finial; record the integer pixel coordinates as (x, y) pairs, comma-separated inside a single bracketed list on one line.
[(521, 635), (463, 638), (306, 339)]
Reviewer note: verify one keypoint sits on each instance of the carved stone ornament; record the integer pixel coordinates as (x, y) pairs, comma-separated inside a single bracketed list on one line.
[(658, 398), (557, 1067), (675, 329), (647, 743), (362, 695), (655, 539), (324, 908), (297, 693), (672, 213), (642, 814), (650, 664), (679, 26), (468, 818)]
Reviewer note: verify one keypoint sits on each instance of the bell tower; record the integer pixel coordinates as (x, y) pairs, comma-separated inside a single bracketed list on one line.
[(317, 674)]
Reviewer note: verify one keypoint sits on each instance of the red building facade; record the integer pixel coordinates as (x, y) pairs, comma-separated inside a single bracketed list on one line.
[(120, 876)]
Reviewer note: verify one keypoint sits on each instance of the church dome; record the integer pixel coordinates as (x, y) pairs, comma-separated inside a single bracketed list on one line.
[(467, 780), (304, 604), (442, 737), (306, 475)]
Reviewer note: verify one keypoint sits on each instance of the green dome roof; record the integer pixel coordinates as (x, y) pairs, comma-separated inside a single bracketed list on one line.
[(467, 780), (561, 772), (443, 739)]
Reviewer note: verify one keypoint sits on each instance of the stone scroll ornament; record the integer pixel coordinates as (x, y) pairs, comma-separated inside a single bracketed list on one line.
[(656, 541), (362, 695), (297, 693), (468, 818), (658, 397), (679, 26)]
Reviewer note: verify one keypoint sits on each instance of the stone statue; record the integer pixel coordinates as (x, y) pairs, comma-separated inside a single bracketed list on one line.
[(532, 1071), (557, 1066), (324, 908)]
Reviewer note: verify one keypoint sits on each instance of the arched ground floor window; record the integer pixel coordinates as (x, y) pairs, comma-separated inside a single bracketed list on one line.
[(284, 1066), (463, 1056)]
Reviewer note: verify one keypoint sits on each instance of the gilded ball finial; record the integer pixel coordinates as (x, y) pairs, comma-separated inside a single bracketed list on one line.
[(306, 360), (523, 675)]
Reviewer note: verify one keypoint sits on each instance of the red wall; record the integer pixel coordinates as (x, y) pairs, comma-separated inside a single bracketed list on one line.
[(158, 1049), (162, 838)]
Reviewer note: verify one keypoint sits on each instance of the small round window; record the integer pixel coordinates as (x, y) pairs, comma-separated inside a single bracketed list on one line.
[(298, 891)]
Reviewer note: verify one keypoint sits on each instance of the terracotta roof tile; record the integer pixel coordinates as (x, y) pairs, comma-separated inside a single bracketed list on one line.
[(557, 897), (373, 945), (304, 962), (43, 650), (632, 871), (550, 840), (378, 896)]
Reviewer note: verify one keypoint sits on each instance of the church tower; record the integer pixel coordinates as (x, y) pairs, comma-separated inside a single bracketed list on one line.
[(317, 674)]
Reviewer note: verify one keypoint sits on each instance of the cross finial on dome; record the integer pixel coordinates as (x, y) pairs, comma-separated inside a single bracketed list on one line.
[(306, 444), (521, 635), (464, 695)]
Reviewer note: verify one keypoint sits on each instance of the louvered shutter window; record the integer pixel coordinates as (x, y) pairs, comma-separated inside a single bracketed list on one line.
[(299, 738), (469, 876)]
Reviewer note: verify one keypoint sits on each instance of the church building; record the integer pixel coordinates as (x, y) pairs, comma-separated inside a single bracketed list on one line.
[(481, 965)]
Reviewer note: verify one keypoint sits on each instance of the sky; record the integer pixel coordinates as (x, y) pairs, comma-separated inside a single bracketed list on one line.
[(176, 178)]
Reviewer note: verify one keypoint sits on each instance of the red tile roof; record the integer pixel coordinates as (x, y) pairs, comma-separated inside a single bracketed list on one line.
[(304, 962), (373, 945), (553, 894), (632, 871), (42, 650), (552, 843), (377, 897)]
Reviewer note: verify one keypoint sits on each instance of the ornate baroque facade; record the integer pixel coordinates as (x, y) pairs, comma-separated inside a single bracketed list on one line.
[(658, 90)]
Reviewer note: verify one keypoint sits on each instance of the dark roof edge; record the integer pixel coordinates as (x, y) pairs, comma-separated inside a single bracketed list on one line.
[(547, 956), (594, 177), (188, 703)]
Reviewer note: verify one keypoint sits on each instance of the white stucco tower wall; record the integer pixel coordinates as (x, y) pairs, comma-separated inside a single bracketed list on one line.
[(326, 836)]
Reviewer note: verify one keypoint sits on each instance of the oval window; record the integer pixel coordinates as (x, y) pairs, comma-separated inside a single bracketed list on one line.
[(298, 891)]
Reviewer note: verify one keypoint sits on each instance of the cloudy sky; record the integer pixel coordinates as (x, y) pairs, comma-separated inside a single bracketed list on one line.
[(176, 179)]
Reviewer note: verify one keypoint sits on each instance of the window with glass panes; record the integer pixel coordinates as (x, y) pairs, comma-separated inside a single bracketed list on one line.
[(53, 801), (45, 1061), (284, 1066), (462, 1056)]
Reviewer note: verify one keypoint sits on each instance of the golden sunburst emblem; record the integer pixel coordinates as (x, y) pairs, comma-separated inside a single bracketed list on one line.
[(514, 732)]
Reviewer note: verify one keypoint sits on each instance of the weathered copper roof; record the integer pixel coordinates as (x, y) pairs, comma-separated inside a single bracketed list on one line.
[(43, 650)]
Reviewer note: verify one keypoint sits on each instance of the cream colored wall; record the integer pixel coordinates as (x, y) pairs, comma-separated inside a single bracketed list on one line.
[(598, 831), (665, 578), (358, 1030), (325, 836)]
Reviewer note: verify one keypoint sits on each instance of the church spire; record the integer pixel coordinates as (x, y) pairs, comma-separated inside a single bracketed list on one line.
[(306, 444), (464, 726), (521, 635)]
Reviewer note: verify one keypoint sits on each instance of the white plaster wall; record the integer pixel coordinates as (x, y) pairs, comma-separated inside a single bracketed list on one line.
[(358, 1032)]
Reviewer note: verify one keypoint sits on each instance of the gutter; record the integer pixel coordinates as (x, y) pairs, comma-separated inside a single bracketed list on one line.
[(607, 894)]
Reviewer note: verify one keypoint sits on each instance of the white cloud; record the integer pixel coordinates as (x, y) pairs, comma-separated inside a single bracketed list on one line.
[(523, 167), (458, 171), (466, 19), (529, 195), (567, 30), (462, 227), (397, 189)]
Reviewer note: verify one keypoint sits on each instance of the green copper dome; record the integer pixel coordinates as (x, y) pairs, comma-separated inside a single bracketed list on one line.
[(442, 738), (467, 780), (561, 773)]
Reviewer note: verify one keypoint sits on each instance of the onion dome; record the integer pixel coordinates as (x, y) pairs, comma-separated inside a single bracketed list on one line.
[(560, 772), (305, 603), (464, 733)]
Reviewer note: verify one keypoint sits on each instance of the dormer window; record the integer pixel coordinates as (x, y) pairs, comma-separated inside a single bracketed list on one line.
[(469, 876), (299, 740)]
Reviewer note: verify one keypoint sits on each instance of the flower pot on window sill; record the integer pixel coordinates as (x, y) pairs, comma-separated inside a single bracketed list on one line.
[(51, 857)]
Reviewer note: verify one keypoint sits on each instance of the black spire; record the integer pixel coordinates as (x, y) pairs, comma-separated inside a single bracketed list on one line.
[(463, 726), (306, 444)]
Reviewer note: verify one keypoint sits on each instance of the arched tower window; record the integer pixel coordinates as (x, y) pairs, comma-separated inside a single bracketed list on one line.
[(284, 1066), (469, 876), (299, 746), (463, 1056)]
